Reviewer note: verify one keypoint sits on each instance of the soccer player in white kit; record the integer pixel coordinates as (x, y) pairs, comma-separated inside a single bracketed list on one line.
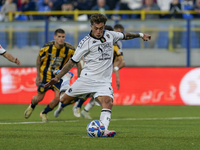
[(96, 76), (9, 56)]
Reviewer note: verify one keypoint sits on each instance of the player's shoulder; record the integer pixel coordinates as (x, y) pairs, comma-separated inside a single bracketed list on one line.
[(114, 33), (68, 45), (84, 41), (50, 43)]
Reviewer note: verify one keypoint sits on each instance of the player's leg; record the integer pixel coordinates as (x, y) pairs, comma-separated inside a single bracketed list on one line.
[(35, 100), (105, 117), (88, 106), (77, 107), (50, 106), (64, 86), (105, 95), (64, 101), (78, 88)]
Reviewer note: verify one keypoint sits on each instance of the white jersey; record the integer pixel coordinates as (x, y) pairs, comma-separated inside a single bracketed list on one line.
[(98, 56), (2, 50)]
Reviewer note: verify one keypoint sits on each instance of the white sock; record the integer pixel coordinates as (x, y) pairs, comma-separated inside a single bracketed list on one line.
[(105, 117), (89, 106), (66, 77)]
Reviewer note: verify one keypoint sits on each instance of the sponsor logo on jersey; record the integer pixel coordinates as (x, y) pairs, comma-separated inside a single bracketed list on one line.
[(70, 90), (108, 35), (94, 42)]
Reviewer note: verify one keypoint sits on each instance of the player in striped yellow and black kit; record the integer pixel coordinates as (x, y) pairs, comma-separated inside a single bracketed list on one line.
[(53, 56)]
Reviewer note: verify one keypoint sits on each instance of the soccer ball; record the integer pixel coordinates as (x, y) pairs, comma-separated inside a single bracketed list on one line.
[(95, 128)]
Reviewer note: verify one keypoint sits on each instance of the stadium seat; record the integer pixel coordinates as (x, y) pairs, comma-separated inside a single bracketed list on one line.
[(162, 40), (21, 39), (3, 39), (21, 18), (193, 40), (41, 37), (135, 43)]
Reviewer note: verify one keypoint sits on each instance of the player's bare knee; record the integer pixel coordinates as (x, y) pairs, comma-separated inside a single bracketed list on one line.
[(107, 103)]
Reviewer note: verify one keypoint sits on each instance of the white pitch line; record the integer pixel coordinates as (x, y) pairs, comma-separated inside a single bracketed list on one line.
[(173, 118)]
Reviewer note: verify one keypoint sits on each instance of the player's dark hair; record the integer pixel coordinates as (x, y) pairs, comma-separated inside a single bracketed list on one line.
[(119, 26), (98, 18), (59, 31), (107, 27)]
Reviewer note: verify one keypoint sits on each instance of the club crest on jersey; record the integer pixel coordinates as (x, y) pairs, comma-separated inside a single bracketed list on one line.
[(103, 40)]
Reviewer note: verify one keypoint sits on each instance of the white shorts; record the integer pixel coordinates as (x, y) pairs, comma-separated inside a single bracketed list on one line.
[(64, 86), (82, 87)]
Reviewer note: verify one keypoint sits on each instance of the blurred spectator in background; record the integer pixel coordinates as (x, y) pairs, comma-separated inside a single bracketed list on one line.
[(83, 4), (164, 5), (43, 6), (133, 4), (55, 5), (175, 9), (68, 6), (112, 3), (28, 5), (2, 2), (101, 6), (175, 12), (8, 7), (148, 6), (197, 9), (121, 6), (187, 5)]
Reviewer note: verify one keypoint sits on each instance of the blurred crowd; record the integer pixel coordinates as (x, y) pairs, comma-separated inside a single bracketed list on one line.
[(174, 6)]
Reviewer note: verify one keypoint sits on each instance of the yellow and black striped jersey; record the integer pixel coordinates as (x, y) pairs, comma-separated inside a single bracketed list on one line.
[(116, 51), (53, 59)]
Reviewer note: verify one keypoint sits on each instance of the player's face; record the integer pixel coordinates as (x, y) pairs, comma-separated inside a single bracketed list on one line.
[(59, 39), (97, 29)]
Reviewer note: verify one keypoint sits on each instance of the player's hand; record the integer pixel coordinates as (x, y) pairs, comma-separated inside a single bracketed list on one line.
[(17, 62), (37, 80), (51, 82), (118, 84), (146, 37)]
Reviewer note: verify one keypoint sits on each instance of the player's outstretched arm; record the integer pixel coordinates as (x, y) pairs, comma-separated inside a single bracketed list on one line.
[(38, 64), (64, 70), (11, 58), (128, 36)]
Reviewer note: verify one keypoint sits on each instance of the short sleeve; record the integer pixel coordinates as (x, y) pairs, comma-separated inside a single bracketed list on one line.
[(2, 50), (117, 36), (81, 50)]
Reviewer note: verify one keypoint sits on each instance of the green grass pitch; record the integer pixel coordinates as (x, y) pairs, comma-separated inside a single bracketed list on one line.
[(137, 127)]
